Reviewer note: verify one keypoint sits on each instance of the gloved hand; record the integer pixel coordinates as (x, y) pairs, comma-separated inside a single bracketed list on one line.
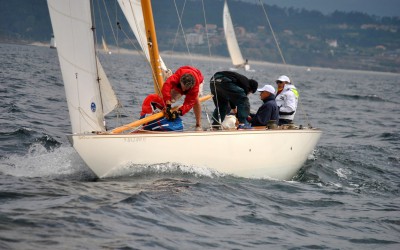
[(167, 110), (174, 115), (170, 114)]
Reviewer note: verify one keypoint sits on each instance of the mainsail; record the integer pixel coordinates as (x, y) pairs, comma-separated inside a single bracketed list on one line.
[(84, 78), (233, 46)]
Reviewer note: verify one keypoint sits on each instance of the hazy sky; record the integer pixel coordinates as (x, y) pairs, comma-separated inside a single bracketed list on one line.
[(372, 7)]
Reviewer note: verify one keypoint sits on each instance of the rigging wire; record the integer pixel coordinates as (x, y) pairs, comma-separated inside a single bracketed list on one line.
[(119, 111), (183, 32), (116, 21), (283, 59), (109, 20), (95, 45), (177, 29), (180, 26), (208, 38), (144, 46), (210, 55), (101, 20), (273, 33), (213, 83)]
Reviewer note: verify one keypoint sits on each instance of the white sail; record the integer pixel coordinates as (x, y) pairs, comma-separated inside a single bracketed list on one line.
[(108, 97), (53, 44), (233, 46), (105, 47), (132, 10), (72, 25)]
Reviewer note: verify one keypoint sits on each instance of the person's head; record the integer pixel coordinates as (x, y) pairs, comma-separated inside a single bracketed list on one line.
[(266, 91), (281, 81), (187, 81), (253, 85)]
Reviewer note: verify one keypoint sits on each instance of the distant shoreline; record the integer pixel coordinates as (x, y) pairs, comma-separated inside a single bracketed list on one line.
[(182, 55)]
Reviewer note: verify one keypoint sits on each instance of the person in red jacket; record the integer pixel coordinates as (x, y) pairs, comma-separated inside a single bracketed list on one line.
[(187, 81)]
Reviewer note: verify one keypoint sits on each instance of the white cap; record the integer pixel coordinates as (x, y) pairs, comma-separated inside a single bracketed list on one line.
[(267, 88), (283, 79)]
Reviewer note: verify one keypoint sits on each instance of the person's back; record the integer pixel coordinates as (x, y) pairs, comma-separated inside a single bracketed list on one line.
[(172, 85), (231, 89), (188, 81)]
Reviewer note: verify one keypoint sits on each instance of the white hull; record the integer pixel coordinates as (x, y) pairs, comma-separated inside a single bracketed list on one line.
[(277, 154)]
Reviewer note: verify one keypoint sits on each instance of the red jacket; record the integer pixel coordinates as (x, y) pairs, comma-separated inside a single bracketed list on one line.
[(149, 103), (173, 82)]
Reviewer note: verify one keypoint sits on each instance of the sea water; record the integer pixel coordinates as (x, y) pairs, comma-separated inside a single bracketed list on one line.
[(346, 196)]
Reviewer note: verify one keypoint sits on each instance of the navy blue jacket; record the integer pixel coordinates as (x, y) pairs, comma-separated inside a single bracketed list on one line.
[(268, 111)]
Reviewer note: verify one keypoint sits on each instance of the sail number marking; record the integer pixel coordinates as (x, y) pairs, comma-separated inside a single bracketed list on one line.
[(134, 139)]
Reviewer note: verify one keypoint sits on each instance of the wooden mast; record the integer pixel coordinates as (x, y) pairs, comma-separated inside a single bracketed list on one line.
[(152, 45), (155, 65)]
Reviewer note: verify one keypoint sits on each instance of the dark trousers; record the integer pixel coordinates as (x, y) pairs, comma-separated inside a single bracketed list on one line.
[(227, 93)]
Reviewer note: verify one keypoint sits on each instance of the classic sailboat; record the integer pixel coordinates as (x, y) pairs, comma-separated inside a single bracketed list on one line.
[(233, 47), (90, 97), (105, 47), (53, 42)]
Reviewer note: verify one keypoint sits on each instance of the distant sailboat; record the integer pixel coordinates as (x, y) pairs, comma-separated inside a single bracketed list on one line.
[(105, 47), (233, 47), (53, 42)]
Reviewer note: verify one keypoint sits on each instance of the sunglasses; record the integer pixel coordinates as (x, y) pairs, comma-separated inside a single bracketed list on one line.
[(279, 82)]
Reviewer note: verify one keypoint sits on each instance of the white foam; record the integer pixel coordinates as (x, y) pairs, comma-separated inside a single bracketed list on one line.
[(165, 168), (313, 155), (343, 173), (39, 162)]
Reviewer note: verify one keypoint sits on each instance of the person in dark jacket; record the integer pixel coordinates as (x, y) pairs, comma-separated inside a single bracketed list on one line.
[(269, 111), (231, 89)]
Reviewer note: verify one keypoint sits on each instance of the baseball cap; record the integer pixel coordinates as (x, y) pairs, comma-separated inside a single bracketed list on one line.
[(283, 78), (267, 88)]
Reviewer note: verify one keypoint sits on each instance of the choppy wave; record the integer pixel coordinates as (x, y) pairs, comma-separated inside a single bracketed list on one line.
[(344, 197), (25, 138), (354, 169), (326, 166), (61, 162), (370, 97)]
